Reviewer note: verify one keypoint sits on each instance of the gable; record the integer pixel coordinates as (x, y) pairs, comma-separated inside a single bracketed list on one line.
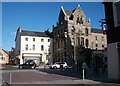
[(61, 16), (2, 52)]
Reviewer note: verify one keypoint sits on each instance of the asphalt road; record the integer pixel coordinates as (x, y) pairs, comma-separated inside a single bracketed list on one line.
[(42, 77), (11, 74)]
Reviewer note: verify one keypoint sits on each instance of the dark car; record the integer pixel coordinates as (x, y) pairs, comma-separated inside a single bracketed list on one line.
[(30, 64)]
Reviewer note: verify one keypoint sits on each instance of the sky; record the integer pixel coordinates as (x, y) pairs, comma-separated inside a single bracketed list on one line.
[(39, 16), (0, 24)]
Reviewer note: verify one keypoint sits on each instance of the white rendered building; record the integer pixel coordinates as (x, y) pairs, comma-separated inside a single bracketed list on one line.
[(31, 45)]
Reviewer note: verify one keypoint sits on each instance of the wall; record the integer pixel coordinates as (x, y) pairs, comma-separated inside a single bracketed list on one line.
[(4, 56), (99, 41), (113, 62), (37, 44)]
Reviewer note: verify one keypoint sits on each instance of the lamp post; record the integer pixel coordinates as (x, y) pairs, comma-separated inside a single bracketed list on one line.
[(75, 47)]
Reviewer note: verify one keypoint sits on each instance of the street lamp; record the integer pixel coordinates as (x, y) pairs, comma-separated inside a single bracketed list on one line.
[(74, 46)]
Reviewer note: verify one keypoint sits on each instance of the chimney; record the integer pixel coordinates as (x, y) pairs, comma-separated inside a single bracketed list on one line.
[(78, 5), (62, 7), (19, 29)]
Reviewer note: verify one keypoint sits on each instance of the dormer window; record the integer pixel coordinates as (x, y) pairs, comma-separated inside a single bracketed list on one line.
[(79, 20)]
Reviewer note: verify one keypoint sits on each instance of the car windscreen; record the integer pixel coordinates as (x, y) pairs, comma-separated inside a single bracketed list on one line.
[(61, 63), (29, 61)]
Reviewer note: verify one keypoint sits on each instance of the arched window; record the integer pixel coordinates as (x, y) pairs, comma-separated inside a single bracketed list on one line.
[(86, 31), (78, 19), (87, 42), (82, 41)]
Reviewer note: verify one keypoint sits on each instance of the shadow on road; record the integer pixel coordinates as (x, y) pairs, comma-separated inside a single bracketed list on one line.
[(64, 72), (101, 77)]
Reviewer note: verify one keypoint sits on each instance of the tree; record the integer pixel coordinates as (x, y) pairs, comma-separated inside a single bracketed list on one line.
[(80, 50)]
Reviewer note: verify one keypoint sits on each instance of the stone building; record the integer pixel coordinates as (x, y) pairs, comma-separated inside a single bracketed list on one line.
[(73, 29)]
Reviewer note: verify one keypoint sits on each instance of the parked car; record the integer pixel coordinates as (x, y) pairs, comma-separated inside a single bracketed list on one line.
[(59, 65), (28, 64)]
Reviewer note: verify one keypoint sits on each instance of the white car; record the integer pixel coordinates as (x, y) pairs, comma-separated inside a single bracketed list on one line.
[(58, 65)]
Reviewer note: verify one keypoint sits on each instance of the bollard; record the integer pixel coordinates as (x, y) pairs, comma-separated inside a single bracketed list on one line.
[(83, 74), (10, 78)]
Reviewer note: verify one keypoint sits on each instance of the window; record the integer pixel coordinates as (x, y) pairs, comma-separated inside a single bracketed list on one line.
[(102, 46), (2, 58), (33, 39), (96, 49), (48, 40), (42, 40), (87, 43), (26, 47), (102, 38), (82, 41), (96, 37), (26, 39), (79, 20), (86, 31), (96, 45), (42, 48), (71, 17), (33, 47)]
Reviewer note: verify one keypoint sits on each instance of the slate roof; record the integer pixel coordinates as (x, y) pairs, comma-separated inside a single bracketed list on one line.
[(6, 52), (33, 33), (68, 12), (94, 30)]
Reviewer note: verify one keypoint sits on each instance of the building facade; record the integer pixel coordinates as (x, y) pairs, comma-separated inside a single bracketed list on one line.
[(98, 40), (73, 29), (31, 45), (4, 57)]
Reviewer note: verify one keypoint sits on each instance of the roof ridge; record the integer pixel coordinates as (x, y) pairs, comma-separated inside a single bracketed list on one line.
[(32, 31)]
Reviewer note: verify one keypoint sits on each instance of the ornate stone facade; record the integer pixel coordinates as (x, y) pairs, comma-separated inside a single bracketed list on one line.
[(73, 29)]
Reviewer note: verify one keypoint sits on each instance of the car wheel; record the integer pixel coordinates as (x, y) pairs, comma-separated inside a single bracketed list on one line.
[(33, 67), (65, 67), (20, 67), (55, 67)]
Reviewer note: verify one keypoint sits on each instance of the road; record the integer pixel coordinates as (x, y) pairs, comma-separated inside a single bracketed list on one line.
[(13, 75)]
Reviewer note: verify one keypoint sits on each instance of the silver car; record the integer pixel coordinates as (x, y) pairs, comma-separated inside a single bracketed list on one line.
[(57, 65)]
